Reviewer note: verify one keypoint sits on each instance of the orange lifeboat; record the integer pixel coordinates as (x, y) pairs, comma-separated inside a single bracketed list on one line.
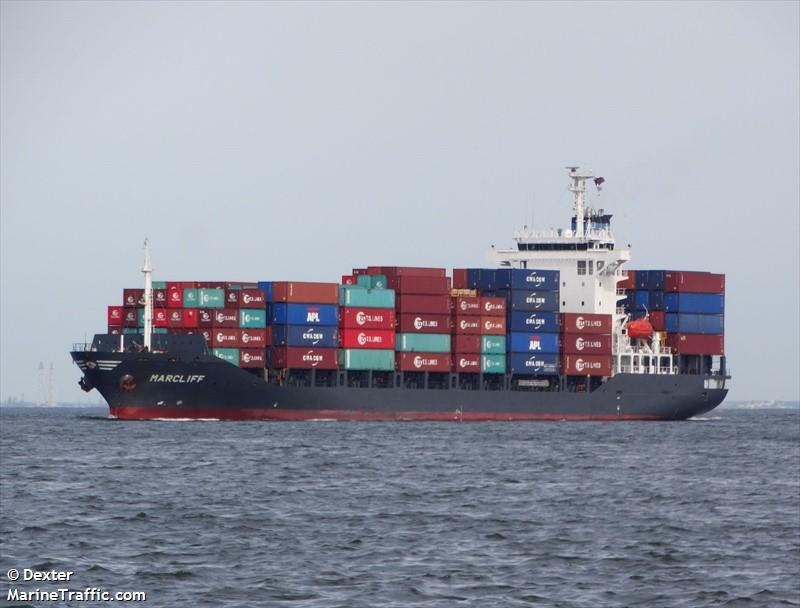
[(640, 328)]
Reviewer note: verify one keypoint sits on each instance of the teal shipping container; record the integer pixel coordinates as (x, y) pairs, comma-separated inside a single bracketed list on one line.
[(130, 330), (252, 318), (423, 343), (211, 298), (159, 284), (231, 355), (356, 295), (371, 281), (494, 345), (493, 364), (366, 359), (190, 297)]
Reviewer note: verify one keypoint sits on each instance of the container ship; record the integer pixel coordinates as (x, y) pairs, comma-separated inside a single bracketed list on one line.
[(556, 328)]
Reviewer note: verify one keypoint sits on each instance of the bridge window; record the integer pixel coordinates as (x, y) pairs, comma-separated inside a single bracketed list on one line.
[(581, 267), (600, 265), (591, 266)]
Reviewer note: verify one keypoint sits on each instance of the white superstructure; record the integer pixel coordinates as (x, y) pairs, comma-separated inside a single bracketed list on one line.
[(590, 266)]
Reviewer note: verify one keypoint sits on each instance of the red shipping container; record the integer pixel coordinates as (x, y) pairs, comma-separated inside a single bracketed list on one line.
[(205, 316), (466, 305), (696, 344), (252, 298), (174, 295), (423, 323), (160, 298), (349, 279), (223, 337), (132, 298), (240, 285), (367, 338), (439, 304), (130, 317), (269, 335), (225, 317), (253, 338), (629, 282), (657, 320), (231, 298), (175, 317), (423, 362), (421, 285), (366, 318), (359, 271), (187, 284), (465, 363), (586, 365), (590, 344), (579, 323), (114, 330), (495, 307), (493, 326), (115, 315), (296, 357), (160, 317), (190, 317), (694, 282), (253, 357), (306, 293), (466, 325), (404, 271), (466, 343), (460, 278), (211, 284)]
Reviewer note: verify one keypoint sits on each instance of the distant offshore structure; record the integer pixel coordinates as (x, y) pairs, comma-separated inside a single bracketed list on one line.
[(46, 391)]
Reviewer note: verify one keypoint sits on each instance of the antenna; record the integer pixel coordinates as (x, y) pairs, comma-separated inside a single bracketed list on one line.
[(147, 269), (578, 188)]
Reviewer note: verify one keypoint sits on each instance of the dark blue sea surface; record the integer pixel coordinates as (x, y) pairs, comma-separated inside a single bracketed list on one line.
[(697, 513)]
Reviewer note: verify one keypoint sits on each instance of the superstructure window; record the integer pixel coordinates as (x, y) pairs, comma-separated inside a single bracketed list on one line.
[(581, 267), (591, 266)]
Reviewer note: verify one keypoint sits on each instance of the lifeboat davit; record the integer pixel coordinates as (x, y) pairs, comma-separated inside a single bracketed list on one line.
[(640, 328)]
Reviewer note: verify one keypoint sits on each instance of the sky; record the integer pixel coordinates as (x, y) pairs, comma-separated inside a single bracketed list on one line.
[(257, 141)]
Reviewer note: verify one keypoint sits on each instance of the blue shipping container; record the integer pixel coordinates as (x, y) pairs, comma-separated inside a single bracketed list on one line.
[(689, 323), (266, 287), (539, 342), (526, 278), (533, 321), (702, 303), (305, 314), (473, 277), (321, 336), (641, 279), (532, 365), (656, 300), (520, 299), (641, 300), (655, 279)]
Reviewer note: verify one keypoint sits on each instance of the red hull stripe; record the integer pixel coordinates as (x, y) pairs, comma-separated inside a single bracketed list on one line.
[(154, 413)]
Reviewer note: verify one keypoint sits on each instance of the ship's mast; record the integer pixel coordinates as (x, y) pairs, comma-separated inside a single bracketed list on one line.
[(147, 269), (578, 188)]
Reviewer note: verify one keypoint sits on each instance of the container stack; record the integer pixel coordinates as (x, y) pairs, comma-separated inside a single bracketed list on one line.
[(303, 320), (533, 300), (687, 308), (529, 300), (586, 344), (694, 309), (422, 308), (366, 324)]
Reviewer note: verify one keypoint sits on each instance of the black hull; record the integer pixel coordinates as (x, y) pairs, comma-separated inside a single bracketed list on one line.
[(148, 386)]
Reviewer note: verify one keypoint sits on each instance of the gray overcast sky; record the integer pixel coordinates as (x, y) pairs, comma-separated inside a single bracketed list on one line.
[(269, 141)]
